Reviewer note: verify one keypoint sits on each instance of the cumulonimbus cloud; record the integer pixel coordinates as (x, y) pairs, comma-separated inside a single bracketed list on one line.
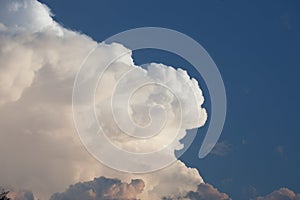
[(39, 147)]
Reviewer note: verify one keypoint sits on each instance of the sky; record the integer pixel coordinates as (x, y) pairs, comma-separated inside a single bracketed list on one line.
[(255, 45)]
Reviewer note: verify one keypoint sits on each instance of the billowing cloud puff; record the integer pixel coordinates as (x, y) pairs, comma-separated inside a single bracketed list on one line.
[(281, 194), (177, 96), (15, 76), (204, 191), (178, 176), (207, 192), (25, 15), (102, 188), (39, 147)]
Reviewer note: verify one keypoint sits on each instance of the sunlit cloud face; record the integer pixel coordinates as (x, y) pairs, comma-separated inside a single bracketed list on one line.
[(40, 149)]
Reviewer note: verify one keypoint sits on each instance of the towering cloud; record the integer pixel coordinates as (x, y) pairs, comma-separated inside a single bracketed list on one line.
[(39, 147)]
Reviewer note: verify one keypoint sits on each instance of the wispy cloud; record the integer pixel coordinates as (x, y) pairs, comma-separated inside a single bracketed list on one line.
[(280, 150), (221, 148)]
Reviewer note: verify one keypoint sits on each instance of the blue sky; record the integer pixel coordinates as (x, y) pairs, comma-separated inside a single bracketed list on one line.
[(256, 46)]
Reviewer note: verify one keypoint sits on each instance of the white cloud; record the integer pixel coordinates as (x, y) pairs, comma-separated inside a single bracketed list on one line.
[(25, 15), (175, 179), (39, 147), (178, 101), (15, 76)]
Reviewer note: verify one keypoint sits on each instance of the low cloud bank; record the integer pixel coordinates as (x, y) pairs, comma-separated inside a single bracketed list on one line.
[(102, 188)]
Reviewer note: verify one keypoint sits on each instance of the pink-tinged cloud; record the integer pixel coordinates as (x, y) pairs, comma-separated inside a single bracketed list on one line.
[(281, 194), (102, 188)]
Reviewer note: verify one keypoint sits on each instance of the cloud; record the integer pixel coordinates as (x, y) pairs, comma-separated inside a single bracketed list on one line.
[(26, 15), (21, 195), (204, 191), (281, 194), (221, 148), (102, 188), (249, 192), (280, 150), (175, 179), (38, 143), (17, 194), (178, 97), (207, 192), (15, 76), (39, 147)]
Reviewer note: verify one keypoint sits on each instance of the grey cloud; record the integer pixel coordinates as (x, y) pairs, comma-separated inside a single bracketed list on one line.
[(102, 188), (281, 194), (207, 192), (204, 191), (17, 194)]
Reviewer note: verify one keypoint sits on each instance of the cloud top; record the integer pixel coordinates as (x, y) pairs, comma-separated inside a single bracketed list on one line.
[(25, 15)]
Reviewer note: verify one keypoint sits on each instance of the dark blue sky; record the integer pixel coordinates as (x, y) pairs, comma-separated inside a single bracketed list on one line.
[(256, 46)]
